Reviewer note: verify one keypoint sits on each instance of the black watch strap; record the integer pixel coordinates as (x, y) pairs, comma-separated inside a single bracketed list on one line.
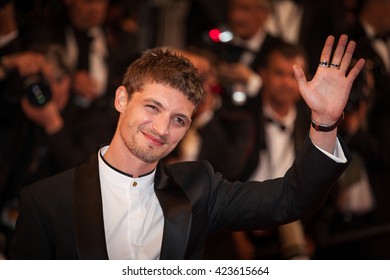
[(324, 128)]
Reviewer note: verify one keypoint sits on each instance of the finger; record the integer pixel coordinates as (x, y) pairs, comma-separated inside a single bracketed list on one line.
[(356, 70), (327, 50), (346, 61), (339, 52)]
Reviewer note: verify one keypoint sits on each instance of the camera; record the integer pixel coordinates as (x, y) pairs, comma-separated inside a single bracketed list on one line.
[(36, 87), (37, 90)]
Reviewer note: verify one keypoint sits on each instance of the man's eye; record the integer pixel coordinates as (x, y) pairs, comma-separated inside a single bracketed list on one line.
[(180, 121), (151, 107)]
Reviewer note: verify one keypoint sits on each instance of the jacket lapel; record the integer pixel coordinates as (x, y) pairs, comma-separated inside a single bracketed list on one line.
[(88, 216), (177, 212)]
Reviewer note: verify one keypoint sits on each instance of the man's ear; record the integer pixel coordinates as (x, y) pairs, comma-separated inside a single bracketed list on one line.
[(120, 99)]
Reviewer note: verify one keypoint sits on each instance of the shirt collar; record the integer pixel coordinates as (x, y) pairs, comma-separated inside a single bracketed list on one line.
[(121, 179), (369, 29), (287, 121), (254, 43)]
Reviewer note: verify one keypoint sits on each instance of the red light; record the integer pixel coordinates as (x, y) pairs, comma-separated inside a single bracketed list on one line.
[(214, 34)]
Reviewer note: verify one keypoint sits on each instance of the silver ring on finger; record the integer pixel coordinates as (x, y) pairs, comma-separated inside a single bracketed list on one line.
[(334, 65), (324, 64)]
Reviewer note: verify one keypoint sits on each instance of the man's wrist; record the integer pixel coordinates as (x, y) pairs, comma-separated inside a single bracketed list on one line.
[(326, 128)]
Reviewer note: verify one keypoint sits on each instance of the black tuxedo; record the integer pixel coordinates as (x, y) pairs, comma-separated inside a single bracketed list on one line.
[(301, 128), (61, 217), (225, 142), (381, 106)]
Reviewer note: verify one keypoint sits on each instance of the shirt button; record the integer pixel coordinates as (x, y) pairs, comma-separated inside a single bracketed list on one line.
[(134, 184)]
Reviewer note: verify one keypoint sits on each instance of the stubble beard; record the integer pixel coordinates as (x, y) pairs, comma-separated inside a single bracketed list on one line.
[(144, 153)]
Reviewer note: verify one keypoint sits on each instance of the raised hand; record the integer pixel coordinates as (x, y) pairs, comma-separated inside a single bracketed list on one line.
[(327, 93)]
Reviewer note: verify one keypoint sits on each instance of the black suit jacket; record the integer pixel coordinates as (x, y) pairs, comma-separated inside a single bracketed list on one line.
[(225, 143), (61, 217)]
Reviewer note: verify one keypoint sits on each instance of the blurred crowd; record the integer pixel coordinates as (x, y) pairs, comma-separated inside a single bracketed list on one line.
[(62, 60)]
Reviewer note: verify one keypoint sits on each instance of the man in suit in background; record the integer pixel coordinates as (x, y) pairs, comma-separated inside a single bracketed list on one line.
[(123, 204), (371, 33), (241, 57), (282, 123), (364, 234)]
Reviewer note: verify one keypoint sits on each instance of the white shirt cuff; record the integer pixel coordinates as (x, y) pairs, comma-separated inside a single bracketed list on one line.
[(338, 153)]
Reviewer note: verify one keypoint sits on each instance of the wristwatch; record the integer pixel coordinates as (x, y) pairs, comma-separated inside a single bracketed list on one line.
[(325, 128)]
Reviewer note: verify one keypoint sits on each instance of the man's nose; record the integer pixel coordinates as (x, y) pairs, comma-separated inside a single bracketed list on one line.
[(161, 125)]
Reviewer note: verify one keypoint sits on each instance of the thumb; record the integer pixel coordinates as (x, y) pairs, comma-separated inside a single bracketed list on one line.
[(300, 77)]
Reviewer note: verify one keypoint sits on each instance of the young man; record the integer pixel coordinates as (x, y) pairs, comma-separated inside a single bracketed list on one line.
[(123, 204)]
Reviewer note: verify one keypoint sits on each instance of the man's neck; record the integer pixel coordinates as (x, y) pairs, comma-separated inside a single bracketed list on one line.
[(279, 111), (254, 42), (120, 157)]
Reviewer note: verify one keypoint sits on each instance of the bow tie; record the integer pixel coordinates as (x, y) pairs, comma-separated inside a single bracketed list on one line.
[(275, 122)]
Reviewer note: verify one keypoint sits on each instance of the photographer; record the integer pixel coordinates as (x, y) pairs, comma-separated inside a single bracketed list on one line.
[(29, 82), (16, 64)]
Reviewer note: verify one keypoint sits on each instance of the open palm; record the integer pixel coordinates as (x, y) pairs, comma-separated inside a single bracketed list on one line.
[(327, 93)]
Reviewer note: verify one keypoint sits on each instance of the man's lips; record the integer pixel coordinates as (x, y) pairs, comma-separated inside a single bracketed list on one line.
[(155, 140)]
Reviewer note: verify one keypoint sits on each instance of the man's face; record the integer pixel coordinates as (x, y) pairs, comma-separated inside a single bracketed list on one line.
[(280, 86), (153, 121), (246, 17), (85, 14)]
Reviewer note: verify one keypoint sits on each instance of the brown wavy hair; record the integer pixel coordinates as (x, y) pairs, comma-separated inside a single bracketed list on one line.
[(164, 66)]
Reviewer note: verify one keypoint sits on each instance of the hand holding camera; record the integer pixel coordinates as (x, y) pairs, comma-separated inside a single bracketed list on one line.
[(46, 88)]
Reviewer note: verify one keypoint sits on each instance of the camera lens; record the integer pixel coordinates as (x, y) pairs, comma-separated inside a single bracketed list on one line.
[(37, 90)]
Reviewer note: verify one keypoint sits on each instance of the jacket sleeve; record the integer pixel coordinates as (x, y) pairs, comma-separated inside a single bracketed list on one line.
[(258, 205)]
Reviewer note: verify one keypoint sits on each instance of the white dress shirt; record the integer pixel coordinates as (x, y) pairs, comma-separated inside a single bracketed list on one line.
[(380, 46), (285, 20), (133, 218), (280, 152)]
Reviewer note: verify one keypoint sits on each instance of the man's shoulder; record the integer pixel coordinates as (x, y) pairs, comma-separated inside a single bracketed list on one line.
[(52, 184), (185, 167), (190, 173)]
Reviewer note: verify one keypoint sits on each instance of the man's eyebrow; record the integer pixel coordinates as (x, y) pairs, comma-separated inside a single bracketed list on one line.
[(157, 103), (184, 117)]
